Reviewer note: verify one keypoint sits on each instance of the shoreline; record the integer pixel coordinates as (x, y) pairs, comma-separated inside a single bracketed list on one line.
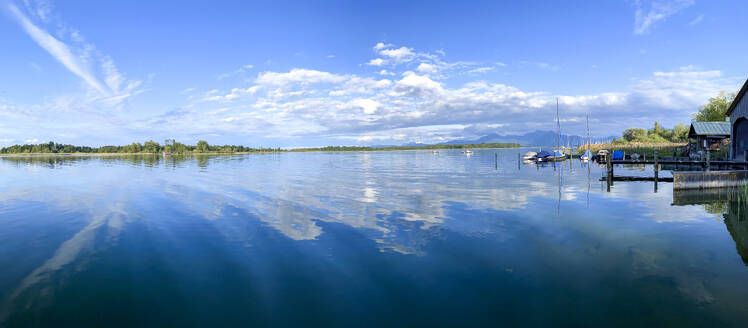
[(299, 150), (122, 154)]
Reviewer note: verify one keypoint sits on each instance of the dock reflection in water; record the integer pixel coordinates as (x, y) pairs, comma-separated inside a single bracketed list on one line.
[(731, 204)]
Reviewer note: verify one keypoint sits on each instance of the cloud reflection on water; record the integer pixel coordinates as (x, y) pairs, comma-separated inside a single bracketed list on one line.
[(399, 200)]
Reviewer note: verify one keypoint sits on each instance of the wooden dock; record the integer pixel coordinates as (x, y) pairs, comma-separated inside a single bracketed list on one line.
[(682, 162), (710, 179), (632, 178), (727, 173)]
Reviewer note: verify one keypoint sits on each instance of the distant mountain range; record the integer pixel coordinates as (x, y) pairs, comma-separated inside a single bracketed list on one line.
[(535, 138)]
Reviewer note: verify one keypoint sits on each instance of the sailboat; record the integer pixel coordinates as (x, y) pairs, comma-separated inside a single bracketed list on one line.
[(587, 155), (555, 156), (558, 153)]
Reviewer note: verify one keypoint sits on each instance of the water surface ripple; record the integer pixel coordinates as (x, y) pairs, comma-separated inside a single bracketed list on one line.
[(404, 238)]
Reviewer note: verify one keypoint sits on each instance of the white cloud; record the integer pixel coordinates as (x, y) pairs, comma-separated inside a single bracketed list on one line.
[(484, 69), (376, 62), (31, 141), (415, 85), (298, 76), (696, 20), (648, 13), (398, 55), (381, 45), (367, 105), (35, 66), (41, 9), (239, 70), (418, 108), (383, 83), (236, 93), (365, 139), (547, 66), (426, 68)]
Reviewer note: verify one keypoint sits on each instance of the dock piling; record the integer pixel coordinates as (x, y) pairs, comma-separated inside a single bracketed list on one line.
[(656, 166), (609, 163), (496, 160)]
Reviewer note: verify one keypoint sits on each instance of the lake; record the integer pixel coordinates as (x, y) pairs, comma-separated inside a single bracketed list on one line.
[(402, 238)]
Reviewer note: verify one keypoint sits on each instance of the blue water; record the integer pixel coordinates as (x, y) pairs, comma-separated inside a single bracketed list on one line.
[(353, 239)]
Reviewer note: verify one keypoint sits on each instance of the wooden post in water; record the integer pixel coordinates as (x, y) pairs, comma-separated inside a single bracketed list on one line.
[(518, 162), (708, 155), (609, 163), (496, 160), (657, 167)]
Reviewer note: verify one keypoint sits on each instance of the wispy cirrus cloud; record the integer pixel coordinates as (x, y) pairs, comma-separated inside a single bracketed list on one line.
[(237, 71), (77, 56), (57, 49), (648, 13), (696, 20)]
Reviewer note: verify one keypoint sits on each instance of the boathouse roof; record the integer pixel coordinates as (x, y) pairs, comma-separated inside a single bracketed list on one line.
[(711, 129), (737, 98)]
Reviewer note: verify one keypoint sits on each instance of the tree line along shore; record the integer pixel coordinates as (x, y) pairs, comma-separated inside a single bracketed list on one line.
[(172, 146)]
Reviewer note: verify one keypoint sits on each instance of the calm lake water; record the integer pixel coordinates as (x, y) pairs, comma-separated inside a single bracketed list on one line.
[(352, 239)]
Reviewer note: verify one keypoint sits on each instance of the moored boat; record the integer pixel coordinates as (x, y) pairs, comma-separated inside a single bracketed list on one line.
[(546, 156), (586, 156), (602, 154)]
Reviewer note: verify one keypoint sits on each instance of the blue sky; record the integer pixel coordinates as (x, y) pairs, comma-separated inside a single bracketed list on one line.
[(356, 73)]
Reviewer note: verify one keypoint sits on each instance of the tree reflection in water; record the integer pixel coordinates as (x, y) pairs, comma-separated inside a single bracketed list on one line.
[(730, 204)]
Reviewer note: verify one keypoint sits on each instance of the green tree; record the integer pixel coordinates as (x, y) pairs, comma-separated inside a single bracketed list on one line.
[(634, 134), (680, 133), (169, 145), (178, 147), (133, 148), (202, 146), (659, 131), (151, 146), (716, 109)]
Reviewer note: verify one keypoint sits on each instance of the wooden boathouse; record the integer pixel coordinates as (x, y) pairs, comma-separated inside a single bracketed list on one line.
[(708, 135), (738, 113)]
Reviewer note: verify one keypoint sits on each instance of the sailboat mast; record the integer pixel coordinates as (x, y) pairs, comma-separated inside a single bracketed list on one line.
[(558, 125), (589, 144)]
